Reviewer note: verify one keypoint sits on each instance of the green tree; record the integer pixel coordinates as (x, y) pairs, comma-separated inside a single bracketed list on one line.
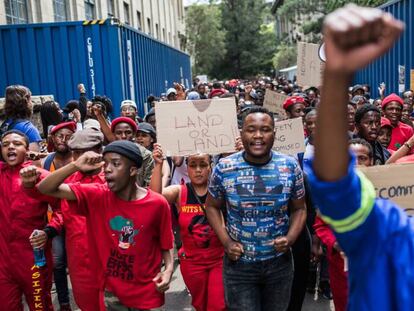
[(291, 9), (205, 38), (285, 56), (249, 46)]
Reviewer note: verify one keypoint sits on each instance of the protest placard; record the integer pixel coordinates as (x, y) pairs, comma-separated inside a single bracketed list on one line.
[(273, 101), (393, 182), (189, 127), (411, 79), (310, 66), (289, 137)]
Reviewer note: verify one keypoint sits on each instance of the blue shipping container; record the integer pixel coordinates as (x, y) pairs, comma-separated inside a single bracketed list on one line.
[(394, 67), (109, 58)]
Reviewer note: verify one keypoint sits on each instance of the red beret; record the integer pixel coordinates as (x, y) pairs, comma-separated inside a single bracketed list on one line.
[(293, 100), (67, 125), (131, 122), (392, 98), (385, 122)]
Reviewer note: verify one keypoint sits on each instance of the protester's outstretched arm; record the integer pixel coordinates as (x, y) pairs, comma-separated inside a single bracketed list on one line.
[(354, 37), (53, 185), (105, 128), (402, 151), (156, 184)]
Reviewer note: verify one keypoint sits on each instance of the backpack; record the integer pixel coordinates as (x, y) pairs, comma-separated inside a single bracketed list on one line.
[(8, 125)]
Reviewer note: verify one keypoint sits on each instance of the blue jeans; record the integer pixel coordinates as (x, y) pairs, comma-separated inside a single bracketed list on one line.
[(259, 286), (59, 269)]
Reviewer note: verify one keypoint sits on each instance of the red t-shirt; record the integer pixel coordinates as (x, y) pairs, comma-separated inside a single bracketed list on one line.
[(399, 135), (200, 242), (129, 238)]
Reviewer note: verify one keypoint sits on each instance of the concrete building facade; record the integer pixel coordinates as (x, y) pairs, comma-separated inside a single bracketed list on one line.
[(161, 19)]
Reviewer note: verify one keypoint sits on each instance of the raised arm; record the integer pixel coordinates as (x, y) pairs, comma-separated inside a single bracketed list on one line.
[(53, 185), (354, 37), (171, 193)]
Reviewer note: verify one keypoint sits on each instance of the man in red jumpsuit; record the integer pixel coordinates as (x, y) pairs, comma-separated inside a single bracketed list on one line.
[(79, 251), (20, 215)]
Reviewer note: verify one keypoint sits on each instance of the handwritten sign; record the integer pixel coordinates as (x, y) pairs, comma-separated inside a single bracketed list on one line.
[(310, 66), (189, 127), (273, 102), (411, 79), (393, 182), (289, 138)]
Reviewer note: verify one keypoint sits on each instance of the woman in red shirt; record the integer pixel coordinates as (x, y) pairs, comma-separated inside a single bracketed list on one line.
[(201, 254)]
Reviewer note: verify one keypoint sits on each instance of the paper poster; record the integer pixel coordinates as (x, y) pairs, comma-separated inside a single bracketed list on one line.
[(189, 127)]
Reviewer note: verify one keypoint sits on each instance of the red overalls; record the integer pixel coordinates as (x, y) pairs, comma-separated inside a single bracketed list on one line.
[(19, 216), (201, 255)]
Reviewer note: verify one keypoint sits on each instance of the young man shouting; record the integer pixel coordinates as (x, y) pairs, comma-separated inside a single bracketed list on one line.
[(130, 226)]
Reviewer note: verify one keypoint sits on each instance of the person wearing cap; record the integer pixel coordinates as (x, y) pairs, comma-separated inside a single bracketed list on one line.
[(129, 226), (146, 135), (294, 107), (193, 95), (392, 107), (59, 136), (368, 124), (82, 276), (123, 128), (357, 90), (384, 135), (129, 109), (171, 94)]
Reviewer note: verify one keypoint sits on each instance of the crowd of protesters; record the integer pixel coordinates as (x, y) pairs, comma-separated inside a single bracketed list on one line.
[(101, 199)]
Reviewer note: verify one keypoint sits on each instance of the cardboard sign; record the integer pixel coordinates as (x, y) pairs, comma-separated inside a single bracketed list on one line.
[(310, 66), (189, 127), (401, 79), (273, 102), (411, 79), (393, 182), (289, 138)]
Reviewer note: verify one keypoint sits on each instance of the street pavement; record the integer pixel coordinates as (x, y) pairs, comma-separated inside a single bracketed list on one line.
[(178, 299)]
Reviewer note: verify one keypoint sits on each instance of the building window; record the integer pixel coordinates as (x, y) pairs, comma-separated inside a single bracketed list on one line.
[(111, 8), (157, 31), (16, 11), (89, 9), (59, 8), (139, 20), (163, 35), (149, 26), (126, 13)]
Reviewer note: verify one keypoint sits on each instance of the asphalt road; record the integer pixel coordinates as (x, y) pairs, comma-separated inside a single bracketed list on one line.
[(177, 298)]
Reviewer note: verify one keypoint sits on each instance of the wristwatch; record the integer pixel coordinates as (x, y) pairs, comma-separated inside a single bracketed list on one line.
[(408, 145)]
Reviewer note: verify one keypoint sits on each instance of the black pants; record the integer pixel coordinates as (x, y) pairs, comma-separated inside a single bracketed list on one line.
[(301, 258)]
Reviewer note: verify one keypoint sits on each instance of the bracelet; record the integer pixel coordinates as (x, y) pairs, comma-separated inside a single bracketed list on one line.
[(407, 145)]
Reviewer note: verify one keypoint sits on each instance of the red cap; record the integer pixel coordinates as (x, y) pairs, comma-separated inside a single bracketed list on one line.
[(216, 92), (293, 100), (131, 122), (385, 122), (392, 98), (68, 125)]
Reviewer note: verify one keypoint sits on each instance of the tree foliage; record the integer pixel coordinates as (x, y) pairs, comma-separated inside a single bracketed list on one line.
[(291, 9), (249, 46), (285, 56), (205, 38)]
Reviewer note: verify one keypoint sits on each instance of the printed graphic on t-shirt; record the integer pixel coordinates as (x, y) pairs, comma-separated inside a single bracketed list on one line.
[(257, 200), (126, 230), (201, 231)]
